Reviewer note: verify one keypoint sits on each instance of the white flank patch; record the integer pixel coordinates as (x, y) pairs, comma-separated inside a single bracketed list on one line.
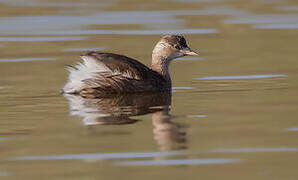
[(83, 71)]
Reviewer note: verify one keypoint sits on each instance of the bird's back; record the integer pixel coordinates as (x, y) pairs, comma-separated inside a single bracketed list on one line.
[(107, 73)]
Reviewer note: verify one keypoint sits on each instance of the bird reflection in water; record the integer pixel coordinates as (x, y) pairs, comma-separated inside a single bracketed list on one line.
[(118, 110)]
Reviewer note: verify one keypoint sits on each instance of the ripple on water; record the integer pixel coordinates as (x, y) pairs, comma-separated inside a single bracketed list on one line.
[(98, 156), (125, 32), (276, 26), (264, 19), (5, 87), (3, 174), (83, 49), (288, 8), (197, 116), (178, 162), (190, 59), (21, 25), (248, 150), (182, 87), (34, 3), (27, 59), (241, 77), (39, 24), (292, 129), (101, 156), (36, 39), (176, 89)]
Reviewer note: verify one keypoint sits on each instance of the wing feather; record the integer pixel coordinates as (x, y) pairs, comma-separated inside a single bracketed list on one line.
[(108, 73), (119, 64)]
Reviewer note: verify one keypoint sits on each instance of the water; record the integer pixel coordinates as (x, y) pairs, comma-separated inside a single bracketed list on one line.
[(99, 156), (116, 32), (242, 77), (190, 59), (232, 113), (292, 129), (5, 87), (277, 26), (41, 39), (26, 59), (178, 162), (83, 49)]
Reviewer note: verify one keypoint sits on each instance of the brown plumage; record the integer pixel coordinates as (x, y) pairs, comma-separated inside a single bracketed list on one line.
[(106, 73)]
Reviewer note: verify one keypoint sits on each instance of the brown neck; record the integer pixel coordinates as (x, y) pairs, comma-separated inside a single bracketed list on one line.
[(161, 66)]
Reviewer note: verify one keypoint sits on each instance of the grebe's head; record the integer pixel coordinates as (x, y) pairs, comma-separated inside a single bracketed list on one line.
[(171, 47)]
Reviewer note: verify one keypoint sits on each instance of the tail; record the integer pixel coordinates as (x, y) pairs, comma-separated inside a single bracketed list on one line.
[(80, 72)]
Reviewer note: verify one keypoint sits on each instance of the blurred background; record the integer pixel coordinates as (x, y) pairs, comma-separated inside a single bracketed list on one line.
[(232, 113)]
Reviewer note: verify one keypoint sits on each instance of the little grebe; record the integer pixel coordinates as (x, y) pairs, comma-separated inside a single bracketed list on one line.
[(101, 74)]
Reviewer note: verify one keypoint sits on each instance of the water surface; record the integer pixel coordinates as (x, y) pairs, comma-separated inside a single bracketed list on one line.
[(26, 59), (232, 113)]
